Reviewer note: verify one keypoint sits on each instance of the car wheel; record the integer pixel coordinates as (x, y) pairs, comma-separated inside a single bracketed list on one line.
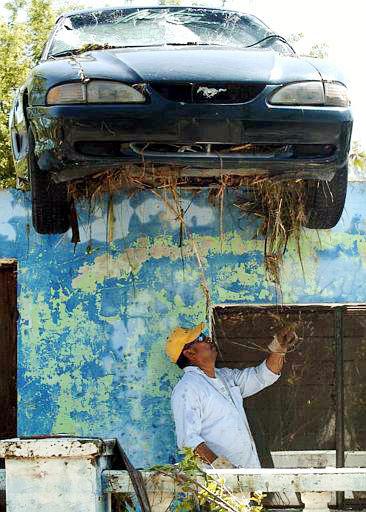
[(50, 203), (325, 200)]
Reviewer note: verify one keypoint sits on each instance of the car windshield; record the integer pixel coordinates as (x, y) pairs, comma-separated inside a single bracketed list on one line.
[(163, 26)]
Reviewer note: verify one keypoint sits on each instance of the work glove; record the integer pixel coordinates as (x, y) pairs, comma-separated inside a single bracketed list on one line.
[(284, 339)]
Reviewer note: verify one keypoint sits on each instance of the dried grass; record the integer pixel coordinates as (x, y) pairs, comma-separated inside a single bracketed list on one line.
[(279, 204), (131, 178), (281, 207)]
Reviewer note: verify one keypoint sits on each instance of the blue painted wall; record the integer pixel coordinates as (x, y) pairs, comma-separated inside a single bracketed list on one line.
[(94, 318)]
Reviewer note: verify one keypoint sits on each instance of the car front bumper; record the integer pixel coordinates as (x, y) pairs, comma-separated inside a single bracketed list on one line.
[(60, 131)]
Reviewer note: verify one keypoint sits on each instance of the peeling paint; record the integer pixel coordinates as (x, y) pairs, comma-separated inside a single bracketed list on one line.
[(93, 324)]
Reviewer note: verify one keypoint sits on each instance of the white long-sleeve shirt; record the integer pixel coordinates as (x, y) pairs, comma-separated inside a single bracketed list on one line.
[(205, 410)]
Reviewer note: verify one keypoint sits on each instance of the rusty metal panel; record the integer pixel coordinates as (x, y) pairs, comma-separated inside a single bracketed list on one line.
[(354, 352), (298, 412), (8, 348)]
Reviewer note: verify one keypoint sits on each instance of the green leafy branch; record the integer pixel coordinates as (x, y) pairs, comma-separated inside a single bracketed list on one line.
[(358, 156), (202, 491)]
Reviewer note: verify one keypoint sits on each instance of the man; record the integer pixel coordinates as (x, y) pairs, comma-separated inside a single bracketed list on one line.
[(207, 402)]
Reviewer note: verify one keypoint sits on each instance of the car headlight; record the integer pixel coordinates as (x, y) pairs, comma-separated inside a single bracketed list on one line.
[(311, 93), (95, 91), (336, 94), (100, 91), (67, 93)]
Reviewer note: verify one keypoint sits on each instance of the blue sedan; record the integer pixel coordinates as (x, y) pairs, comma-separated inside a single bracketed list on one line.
[(208, 91)]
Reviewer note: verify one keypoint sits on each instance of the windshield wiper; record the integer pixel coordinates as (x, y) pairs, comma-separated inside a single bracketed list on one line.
[(192, 43), (86, 48), (271, 36), (92, 47)]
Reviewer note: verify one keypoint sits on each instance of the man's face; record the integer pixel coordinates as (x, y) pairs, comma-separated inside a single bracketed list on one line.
[(201, 351)]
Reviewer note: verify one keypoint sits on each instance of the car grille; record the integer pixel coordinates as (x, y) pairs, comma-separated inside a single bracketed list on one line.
[(205, 149), (120, 149), (207, 92)]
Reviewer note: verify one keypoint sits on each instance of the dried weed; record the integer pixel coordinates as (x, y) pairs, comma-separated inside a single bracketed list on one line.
[(279, 204)]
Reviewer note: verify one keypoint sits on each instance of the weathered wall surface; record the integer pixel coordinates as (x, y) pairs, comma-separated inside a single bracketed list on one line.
[(94, 318)]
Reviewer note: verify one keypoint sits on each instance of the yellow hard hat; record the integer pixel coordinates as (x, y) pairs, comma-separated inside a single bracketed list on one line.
[(180, 337)]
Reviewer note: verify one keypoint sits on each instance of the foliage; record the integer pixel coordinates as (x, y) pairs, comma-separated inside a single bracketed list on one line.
[(41, 18), (319, 50), (122, 502), (358, 157), (201, 491), (23, 34), (294, 37), (169, 2), (14, 66)]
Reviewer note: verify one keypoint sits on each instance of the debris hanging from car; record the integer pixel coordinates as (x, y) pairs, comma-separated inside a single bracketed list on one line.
[(280, 205)]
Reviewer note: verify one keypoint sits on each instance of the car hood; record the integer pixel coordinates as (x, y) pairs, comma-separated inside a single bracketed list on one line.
[(215, 64), (175, 64)]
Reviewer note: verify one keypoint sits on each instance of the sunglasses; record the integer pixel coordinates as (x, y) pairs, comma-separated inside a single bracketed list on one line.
[(201, 338)]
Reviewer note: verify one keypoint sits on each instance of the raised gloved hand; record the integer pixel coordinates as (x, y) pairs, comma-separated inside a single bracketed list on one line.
[(283, 340)]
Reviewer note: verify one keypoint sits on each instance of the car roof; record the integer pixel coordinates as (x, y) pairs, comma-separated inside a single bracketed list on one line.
[(129, 7)]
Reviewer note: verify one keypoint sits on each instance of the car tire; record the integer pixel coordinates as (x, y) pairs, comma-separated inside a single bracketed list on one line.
[(50, 203), (324, 201)]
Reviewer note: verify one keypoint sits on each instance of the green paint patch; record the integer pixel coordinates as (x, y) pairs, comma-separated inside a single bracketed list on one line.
[(130, 260), (60, 348)]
